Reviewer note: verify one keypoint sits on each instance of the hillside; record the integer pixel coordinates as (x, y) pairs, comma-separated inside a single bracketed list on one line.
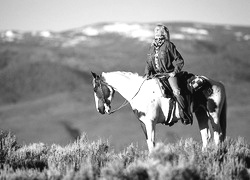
[(45, 83)]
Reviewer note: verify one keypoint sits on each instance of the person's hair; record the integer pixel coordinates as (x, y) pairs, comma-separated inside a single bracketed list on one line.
[(163, 30)]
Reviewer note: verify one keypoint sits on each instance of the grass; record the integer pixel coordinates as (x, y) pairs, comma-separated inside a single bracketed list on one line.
[(84, 159)]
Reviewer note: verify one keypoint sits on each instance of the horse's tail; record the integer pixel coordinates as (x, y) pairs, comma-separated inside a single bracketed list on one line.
[(223, 118)]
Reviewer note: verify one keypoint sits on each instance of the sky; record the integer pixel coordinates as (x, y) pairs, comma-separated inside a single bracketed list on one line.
[(59, 15)]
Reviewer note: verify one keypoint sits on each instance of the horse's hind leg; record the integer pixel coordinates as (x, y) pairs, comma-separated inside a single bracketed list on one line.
[(215, 122), (202, 119), (216, 105), (223, 119)]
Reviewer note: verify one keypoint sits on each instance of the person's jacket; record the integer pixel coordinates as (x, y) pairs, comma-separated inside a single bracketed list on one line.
[(170, 60)]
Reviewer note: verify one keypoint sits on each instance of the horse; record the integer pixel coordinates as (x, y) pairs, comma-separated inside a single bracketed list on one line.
[(151, 106)]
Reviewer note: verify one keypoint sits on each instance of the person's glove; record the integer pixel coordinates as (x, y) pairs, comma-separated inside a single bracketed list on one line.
[(172, 74), (147, 76)]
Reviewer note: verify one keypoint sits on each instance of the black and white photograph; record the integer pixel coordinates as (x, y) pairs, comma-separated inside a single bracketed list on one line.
[(115, 89)]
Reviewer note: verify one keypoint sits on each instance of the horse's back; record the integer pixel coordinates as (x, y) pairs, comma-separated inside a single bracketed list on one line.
[(148, 94)]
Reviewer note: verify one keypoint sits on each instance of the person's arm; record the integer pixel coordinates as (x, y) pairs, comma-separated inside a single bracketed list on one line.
[(178, 60), (148, 68)]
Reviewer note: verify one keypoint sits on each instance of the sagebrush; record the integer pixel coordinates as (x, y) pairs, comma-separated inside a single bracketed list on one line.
[(83, 159)]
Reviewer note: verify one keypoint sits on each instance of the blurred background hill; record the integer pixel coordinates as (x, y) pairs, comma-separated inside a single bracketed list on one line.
[(46, 86)]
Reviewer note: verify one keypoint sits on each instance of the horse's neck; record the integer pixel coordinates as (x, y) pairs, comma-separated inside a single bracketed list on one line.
[(127, 84)]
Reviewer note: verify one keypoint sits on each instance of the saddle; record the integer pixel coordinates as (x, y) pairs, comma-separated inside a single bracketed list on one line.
[(183, 78), (189, 84)]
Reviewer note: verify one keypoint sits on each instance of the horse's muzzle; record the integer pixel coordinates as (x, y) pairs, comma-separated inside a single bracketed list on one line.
[(101, 110), (107, 108)]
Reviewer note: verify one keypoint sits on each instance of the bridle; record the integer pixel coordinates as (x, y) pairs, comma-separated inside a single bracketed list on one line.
[(126, 102), (102, 97)]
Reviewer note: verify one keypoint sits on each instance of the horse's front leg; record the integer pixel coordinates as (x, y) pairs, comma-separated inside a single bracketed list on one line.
[(215, 121), (148, 127)]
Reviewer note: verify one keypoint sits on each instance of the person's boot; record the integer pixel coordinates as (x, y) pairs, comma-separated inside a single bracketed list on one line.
[(185, 113)]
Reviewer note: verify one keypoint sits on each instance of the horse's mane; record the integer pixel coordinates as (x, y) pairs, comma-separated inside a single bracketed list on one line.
[(117, 77), (127, 74), (134, 75)]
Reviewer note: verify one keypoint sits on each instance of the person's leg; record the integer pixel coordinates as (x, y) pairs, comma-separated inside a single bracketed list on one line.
[(183, 104), (176, 90)]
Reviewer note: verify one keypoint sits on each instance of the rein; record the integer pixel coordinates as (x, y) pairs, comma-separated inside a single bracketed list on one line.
[(126, 102)]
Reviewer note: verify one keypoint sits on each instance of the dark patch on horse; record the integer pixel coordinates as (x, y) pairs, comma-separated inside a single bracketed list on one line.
[(183, 77), (198, 100), (211, 105), (105, 90), (101, 107), (138, 114)]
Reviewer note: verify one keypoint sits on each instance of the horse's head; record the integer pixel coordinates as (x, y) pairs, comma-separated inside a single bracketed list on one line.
[(103, 94)]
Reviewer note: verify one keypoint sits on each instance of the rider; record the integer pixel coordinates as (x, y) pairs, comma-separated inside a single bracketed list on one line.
[(163, 57)]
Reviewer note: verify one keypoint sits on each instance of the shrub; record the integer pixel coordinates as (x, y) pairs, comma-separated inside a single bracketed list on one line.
[(8, 145), (79, 153), (31, 156), (95, 160)]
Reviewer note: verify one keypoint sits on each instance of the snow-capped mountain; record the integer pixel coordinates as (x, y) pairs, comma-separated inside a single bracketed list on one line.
[(140, 31)]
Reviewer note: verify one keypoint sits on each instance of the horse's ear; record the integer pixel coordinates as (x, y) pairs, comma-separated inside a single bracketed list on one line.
[(94, 75)]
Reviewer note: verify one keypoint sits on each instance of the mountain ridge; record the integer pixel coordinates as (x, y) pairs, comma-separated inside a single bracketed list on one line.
[(142, 31)]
